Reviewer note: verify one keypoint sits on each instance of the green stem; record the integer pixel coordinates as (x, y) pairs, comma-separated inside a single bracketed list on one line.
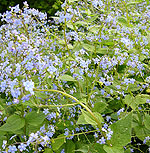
[(84, 106), (66, 105)]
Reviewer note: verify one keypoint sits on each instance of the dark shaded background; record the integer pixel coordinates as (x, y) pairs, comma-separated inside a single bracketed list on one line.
[(48, 6)]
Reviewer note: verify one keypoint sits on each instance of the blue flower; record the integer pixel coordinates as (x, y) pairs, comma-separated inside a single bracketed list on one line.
[(22, 147), (29, 85), (12, 149)]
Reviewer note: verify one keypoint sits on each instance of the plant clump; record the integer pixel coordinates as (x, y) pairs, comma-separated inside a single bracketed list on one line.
[(79, 82)]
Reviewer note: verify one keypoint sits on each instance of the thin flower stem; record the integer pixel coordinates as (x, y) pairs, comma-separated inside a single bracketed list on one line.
[(66, 105)]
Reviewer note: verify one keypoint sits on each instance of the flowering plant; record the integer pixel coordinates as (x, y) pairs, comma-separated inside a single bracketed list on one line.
[(78, 82)]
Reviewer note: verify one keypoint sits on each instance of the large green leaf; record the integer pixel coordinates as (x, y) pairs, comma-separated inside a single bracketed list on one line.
[(141, 99), (88, 47), (147, 121), (48, 150), (92, 18), (69, 147), (40, 94), (121, 131), (129, 100), (87, 118), (109, 149), (133, 3), (66, 77), (133, 102), (122, 20), (72, 1), (13, 123), (58, 142), (102, 50), (100, 107), (141, 132), (98, 116), (92, 148), (34, 118), (81, 120)]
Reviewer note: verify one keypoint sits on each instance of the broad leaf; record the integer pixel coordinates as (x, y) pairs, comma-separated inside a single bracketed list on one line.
[(69, 147), (130, 101), (113, 149), (133, 102), (40, 94), (100, 107), (86, 118), (92, 148), (141, 132), (122, 20), (147, 121), (132, 3), (13, 123), (88, 47), (48, 150), (121, 131), (34, 118), (102, 50), (66, 77), (58, 142)]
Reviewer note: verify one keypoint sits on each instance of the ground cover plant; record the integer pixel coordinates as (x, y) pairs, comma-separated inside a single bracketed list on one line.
[(79, 82)]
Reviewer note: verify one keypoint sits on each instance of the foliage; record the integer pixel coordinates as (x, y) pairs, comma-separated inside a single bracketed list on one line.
[(49, 6), (78, 84)]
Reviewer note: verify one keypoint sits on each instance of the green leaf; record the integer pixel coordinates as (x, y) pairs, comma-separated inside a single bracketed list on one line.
[(13, 123), (121, 131), (70, 1), (69, 25), (133, 3), (32, 128), (92, 18), (122, 20), (83, 149), (80, 23), (141, 132), (102, 50), (58, 142), (98, 116), (70, 46), (29, 103), (133, 87), (140, 99), (100, 107), (69, 147), (92, 148), (48, 150), (130, 101), (40, 94), (34, 118), (66, 77), (81, 120), (113, 149), (133, 102), (88, 118), (88, 47), (147, 121), (94, 29), (108, 42), (1, 140)]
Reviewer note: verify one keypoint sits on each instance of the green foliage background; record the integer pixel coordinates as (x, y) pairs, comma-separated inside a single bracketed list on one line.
[(49, 6)]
